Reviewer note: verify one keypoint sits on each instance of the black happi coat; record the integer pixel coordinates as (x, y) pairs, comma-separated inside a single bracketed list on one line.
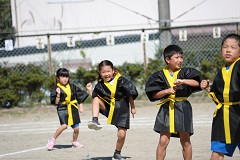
[(226, 87), (182, 109), (124, 89), (76, 94)]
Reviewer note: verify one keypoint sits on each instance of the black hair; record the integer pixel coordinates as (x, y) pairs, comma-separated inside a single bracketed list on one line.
[(105, 63), (233, 36), (62, 72), (170, 50)]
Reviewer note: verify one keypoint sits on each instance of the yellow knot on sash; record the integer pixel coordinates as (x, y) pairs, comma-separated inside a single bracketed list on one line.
[(112, 89), (226, 106), (171, 110), (68, 102)]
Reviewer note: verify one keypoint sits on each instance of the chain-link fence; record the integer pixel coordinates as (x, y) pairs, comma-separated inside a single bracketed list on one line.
[(135, 47)]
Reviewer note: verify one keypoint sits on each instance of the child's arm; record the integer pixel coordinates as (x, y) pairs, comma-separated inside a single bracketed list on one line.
[(164, 92), (89, 88), (133, 109), (205, 85), (189, 82), (57, 99), (81, 109)]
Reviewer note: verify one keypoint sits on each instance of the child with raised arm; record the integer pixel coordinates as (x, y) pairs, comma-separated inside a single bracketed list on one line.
[(172, 86), (111, 97), (225, 92), (66, 97)]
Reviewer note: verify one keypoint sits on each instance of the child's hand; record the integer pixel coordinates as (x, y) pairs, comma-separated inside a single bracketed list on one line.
[(133, 111), (58, 90), (89, 87), (205, 85), (81, 109), (172, 90), (178, 82)]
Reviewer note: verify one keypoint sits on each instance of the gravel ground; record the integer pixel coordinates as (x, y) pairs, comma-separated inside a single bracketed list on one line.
[(24, 134)]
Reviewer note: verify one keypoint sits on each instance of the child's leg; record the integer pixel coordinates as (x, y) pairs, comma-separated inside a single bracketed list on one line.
[(59, 130), (121, 138), (120, 142), (162, 145), (75, 133), (75, 143), (217, 156), (186, 145), (52, 141), (97, 104)]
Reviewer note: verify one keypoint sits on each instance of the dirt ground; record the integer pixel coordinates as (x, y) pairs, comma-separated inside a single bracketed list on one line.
[(24, 134)]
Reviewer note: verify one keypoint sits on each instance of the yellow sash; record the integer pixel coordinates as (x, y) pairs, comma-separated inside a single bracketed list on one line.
[(112, 89), (226, 104), (68, 102), (171, 98)]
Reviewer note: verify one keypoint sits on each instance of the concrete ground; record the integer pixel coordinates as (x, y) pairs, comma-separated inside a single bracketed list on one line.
[(24, 134)]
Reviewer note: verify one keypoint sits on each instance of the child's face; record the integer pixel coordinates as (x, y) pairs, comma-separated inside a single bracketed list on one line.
[(63, 80), (175, 62), (106, 73), (230, 51)]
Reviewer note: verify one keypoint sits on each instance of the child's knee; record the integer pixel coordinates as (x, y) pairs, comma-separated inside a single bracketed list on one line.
[(64, 126), (76, 129)]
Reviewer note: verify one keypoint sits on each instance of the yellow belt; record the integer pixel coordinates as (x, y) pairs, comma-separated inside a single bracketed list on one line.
[(171, 110), (69, 108), (225, 114)]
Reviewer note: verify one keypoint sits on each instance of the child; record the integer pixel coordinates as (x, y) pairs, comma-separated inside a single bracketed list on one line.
[(111, 97), (66, 96), (225, 92), (172, 85)]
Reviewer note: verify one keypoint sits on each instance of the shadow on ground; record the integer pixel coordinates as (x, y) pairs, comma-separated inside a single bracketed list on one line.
[(62, 146), (104, 158)]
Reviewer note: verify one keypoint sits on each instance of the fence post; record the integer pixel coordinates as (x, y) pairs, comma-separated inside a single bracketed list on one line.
[(238, 29), (144, 56), (49, 56)]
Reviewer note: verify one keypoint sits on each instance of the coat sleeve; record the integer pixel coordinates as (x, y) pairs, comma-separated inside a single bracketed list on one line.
[(129, 88), (192, 73), (81, 95), (53, 95), (155, 83)]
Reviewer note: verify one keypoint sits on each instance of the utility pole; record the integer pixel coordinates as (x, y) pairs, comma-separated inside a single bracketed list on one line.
[(50, 67), (164, 22)]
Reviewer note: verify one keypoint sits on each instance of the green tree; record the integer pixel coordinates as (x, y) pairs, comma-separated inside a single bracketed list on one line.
[(134, 72), (85, 76), (8, 94), (157, 63), (6, 28), (210, 68)]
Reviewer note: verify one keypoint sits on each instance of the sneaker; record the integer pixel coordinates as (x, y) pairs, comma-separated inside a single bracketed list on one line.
[(117, 156), (51, 144), (77, 145), (94, 124)]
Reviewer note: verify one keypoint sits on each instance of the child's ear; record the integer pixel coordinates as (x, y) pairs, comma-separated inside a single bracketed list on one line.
[(167, 60)]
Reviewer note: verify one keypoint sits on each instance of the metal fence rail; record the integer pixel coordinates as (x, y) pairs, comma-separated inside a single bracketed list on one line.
[(74, 50)]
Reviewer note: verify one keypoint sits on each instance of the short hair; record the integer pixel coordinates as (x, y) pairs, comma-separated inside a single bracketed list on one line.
[(232, 36), (170, 50)]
